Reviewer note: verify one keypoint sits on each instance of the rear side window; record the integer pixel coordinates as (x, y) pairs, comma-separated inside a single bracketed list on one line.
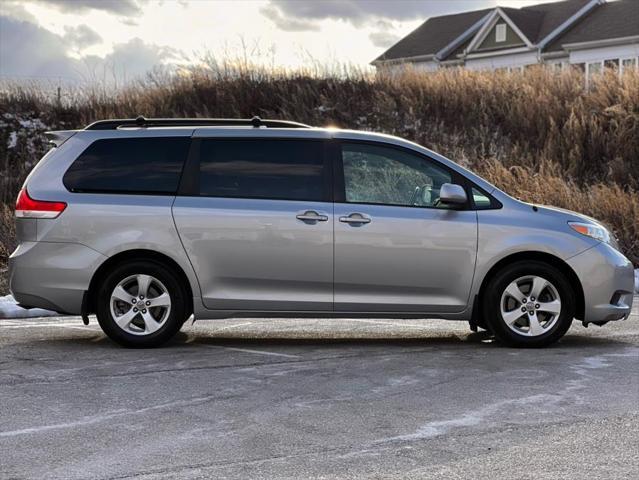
[(129, 165), (262, 168)]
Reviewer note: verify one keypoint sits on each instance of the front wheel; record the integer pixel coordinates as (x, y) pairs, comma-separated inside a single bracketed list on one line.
[(529, 304), (141, 304)]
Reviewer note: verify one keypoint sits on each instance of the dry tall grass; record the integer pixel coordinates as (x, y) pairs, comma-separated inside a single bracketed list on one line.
[(539, 135), (7, 243)]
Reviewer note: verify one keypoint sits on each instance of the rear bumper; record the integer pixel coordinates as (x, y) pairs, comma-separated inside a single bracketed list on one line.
[(52, 275), (607, 279)]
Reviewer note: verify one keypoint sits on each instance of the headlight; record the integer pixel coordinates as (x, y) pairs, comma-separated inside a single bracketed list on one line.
[(591, 230)]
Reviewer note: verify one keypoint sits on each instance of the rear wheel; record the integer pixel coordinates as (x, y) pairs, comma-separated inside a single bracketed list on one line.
[(529, 304), (141, 304)]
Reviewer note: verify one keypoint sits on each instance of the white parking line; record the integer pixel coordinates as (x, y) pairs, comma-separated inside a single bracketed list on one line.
[(45, 325), (248, 350), (233, 326), (399, 323)]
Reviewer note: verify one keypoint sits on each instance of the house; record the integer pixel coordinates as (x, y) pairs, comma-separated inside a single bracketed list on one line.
[(590, 34)]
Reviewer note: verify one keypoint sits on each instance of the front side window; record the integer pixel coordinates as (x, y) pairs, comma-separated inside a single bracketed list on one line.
[(129, 165), (262, 168), (384, 175)]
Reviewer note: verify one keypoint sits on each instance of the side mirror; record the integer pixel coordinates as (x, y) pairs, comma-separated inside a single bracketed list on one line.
[(451, 194)]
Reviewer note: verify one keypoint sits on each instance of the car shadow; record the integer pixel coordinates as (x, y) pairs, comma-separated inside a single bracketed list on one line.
[(481, 339), (252, 339)]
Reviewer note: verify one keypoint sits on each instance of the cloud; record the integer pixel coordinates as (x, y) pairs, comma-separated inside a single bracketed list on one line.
[(383, 39), (385, 34), (27, 50), (81, 37), (118, 7), (130, 60), (14, 9), (288, 24), (359, 12)]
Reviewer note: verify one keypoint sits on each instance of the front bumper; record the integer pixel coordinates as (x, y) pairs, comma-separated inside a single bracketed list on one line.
[(52, 275), (607, 279)]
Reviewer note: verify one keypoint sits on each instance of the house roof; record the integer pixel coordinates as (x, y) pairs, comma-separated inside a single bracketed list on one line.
[(536, 22), (616, 19), (433, 35)]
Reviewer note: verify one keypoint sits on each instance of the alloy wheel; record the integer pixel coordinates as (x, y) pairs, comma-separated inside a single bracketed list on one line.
[(140, 304), (530, 306)]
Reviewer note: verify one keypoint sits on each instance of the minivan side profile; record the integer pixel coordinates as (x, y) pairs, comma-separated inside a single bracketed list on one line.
[(146, 222)]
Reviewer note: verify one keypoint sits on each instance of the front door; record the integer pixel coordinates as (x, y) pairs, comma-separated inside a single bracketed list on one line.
[(259, 227), (397, 249)]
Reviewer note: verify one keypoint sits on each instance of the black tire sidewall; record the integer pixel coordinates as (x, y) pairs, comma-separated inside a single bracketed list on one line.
[(177, 315), (497, 285)]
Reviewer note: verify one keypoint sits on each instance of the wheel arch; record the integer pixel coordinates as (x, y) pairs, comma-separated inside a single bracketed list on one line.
[(542, 257), (137, 254)]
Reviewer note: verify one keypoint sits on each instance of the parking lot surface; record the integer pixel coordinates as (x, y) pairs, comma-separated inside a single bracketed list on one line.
[(299, 398)]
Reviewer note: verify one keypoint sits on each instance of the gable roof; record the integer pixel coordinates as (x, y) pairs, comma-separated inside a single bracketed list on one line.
[(527, 21), (546, 17), (617, 19), (433, 35), (533, 23), (536, 22)]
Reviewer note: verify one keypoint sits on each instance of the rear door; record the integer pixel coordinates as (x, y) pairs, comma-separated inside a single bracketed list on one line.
[(396, 248), (256, 219)]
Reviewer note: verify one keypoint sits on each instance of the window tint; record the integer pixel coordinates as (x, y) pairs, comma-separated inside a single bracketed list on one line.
[(131, 165), (377, 174), (262, 168)]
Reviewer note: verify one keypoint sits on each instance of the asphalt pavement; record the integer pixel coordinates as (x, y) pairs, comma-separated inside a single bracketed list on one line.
[(300, 398)]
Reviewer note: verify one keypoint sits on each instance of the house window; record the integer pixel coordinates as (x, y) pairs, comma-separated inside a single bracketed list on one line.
[(614, 64), (500, 32), (594, 68), (628, 64)]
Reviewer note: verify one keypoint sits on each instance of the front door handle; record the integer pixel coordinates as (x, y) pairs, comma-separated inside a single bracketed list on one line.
[(355, 219), (311, 216)]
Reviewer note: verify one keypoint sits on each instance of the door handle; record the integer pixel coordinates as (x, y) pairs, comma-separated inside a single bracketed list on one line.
[(355, 219), (311, 216)]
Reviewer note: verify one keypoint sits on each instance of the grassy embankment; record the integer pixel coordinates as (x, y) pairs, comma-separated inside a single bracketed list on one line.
[(539, 135)]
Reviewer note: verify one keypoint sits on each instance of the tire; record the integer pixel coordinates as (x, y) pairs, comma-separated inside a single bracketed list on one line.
[(163, 308), (537, 322)]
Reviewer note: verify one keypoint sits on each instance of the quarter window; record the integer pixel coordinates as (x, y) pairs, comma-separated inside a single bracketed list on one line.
[(262, 168), (129, 165), (480, 200), (382, 175)]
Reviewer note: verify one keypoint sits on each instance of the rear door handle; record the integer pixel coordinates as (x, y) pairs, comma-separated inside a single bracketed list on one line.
[(311, 216), (355, 219)]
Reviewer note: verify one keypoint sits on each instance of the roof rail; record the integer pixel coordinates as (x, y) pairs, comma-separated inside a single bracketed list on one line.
[(142, 122)]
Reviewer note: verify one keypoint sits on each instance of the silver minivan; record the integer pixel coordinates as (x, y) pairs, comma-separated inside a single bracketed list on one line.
[(146, 222)]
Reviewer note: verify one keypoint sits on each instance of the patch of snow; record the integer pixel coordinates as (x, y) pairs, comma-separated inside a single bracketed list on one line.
[(10, 309), (13, 140), (33, 123), (636, 280)]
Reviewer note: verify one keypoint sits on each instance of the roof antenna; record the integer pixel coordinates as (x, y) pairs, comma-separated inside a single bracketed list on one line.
[(140, 121), (256, 121)]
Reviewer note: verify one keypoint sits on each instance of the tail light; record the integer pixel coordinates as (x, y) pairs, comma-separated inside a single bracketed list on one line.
[(27, 207)]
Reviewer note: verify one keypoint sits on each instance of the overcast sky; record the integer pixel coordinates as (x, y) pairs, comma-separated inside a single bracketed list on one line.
[(80, 39)]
